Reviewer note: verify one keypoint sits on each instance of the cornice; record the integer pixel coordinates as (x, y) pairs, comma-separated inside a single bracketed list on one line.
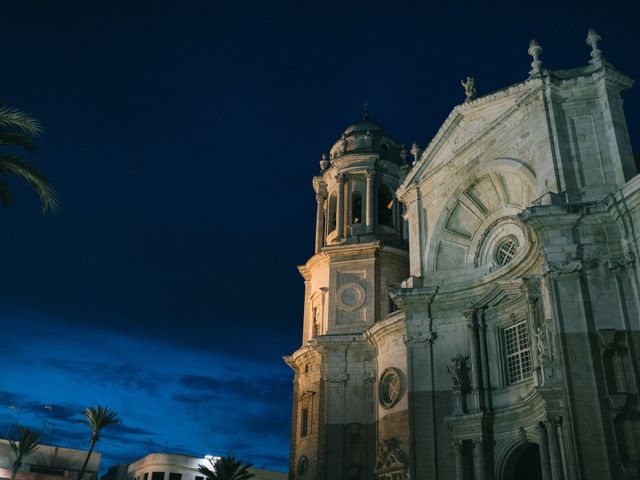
[(347, 249), (392, 324), (312, 263), (301, 355)]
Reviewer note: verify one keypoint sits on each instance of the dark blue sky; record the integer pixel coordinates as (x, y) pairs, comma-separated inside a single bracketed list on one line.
[(182, 138)]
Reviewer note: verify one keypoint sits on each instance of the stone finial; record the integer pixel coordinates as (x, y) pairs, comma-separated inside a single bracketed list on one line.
[(416, 152), (324, 163), (344, 143), (592, 40), (469, 88), (535, 50)]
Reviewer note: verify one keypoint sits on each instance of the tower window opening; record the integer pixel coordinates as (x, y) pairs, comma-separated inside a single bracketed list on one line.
[(331, 217), (385, 206), (356, 208), (304, 422)]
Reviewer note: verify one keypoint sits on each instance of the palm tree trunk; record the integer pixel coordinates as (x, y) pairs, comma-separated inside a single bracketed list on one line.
[(14, 471), (86, 460)]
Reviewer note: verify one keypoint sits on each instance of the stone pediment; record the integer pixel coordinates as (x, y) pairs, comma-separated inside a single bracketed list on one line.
[(466, 124)]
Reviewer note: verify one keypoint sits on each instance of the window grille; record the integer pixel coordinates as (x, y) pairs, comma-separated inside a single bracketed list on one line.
[(506, 251), (517, 349)]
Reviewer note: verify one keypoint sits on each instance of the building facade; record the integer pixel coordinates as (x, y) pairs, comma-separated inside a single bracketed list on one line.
[(49, 462), (173, 466), (476, 315)]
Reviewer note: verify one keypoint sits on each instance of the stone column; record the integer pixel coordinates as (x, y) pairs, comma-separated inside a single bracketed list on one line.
[(458, 448), (321, 200), (371, 204), (479, 463), (543, 445), (470, 315), (555, 456), (340, 178), (484, 358)]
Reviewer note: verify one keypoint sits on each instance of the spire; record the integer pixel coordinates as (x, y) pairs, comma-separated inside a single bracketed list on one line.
[(535, 50), (365, 110), (592, 40)]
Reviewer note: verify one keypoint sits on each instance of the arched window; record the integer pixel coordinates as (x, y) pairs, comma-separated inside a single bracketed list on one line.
[(356, 207), (331, 216), (385, 206)]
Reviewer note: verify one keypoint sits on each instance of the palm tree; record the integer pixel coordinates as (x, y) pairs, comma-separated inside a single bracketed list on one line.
[(27, 444), (96, 419), (17, 133), (226, 468)]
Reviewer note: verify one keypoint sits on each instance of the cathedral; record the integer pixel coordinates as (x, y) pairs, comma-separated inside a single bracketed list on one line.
[(472, 310)]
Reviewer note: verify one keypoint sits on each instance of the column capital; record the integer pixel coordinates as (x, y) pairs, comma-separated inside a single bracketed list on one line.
[(552, 423), (371, 174), (458, 445), (341, 177), (470, 314), (321, 197)]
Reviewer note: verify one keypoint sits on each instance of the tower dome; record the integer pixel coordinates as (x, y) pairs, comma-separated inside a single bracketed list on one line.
[(355, 190), (367, 136)]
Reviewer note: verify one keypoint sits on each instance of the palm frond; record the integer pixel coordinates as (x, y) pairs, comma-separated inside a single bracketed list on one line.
[(28, 442), (13, 118), (209, 474), (97, 418), (17, 139), (15, 165), (228, 468)]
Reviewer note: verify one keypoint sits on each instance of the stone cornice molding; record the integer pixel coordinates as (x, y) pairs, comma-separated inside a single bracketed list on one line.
[(390, 326), (350, 249), (412, 296), (420, 339), (302, 355), (306, 270)]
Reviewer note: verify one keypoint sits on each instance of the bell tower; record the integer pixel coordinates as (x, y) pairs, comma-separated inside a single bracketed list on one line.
[(360, 252)]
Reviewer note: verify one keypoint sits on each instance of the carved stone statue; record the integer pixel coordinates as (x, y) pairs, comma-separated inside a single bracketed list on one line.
[(469, 88), (390, 456), (456, 370), (416, 152), (541, 345)]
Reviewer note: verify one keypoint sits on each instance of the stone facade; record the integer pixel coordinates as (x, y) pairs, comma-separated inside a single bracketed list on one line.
[(483, 323)]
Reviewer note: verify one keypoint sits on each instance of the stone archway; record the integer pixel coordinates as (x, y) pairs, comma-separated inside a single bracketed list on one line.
[(523, 463)]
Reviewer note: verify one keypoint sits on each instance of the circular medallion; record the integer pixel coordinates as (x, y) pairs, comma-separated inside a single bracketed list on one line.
[(391, 387), (351, 296), (303, 465)]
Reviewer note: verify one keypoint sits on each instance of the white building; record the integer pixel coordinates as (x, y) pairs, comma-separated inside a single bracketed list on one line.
[(483, 322), (171, 466), (49, 462)]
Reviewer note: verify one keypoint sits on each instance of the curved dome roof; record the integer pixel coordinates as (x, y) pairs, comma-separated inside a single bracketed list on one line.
[(366, 125), (367, 136)]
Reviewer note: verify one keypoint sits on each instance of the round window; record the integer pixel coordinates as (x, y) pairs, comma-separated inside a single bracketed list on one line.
[(390, 387), (505, 251), (303, 465)]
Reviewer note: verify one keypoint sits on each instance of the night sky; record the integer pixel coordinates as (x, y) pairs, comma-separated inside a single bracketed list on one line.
[(182, 138)]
